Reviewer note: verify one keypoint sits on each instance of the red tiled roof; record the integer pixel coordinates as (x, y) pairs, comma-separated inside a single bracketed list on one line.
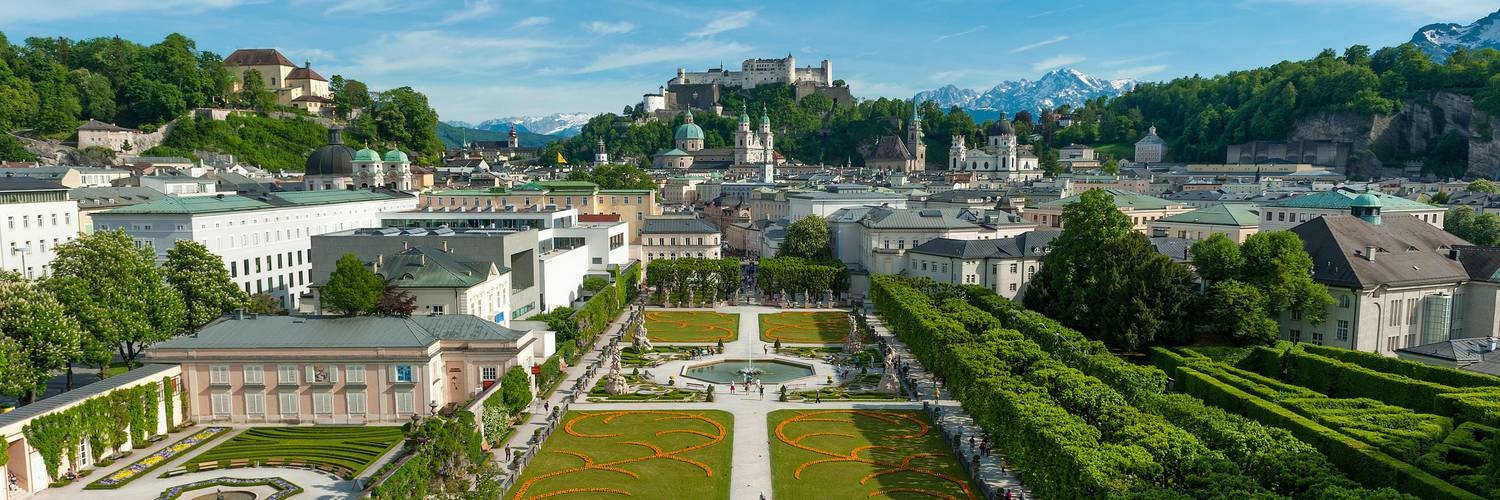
[(305, 73), (257, 57)]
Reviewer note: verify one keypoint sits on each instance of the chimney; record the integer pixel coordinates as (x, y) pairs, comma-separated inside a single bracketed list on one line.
[(1370, 252), (239, 313), (445, 246), (405, 245), (423, 259)]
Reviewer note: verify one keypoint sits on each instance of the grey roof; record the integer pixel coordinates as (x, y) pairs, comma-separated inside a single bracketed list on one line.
[(106, 197), (9, 183), (1409, 251), (967, 196), (423, 267), (847, 195), (922, 218), (1176, 248), (677, 226), (1482, 263), (1028, 244), (329, 332), (93, 124), (146, 372), (1470, 354)]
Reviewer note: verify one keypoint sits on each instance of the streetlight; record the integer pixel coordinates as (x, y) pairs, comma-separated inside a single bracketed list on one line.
[(22, 251)]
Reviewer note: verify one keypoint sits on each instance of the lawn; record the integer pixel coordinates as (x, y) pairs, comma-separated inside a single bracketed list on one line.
[(862, 453), (805, 327), (347, 450), (691, 326), (641, 454)]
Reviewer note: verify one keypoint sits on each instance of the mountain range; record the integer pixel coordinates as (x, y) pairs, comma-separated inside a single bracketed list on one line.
[(1441, 39), (556, 124), (1053, 89), (455, 136)]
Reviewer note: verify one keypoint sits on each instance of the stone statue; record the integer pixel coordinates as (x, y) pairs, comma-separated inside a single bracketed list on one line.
[(641, 341), (614, 382), (852, 343), (828, 298), (889, 384)]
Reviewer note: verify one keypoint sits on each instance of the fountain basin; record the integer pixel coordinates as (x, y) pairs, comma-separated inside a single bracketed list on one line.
[(772, 371)]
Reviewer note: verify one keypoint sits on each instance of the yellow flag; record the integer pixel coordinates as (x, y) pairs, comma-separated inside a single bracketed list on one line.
[(560, 158)]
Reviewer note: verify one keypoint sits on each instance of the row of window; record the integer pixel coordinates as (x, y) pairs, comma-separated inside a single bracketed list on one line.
[(673, 241), (457, 201), (289, 403), (67, 220), (281, 261), (313, 374)]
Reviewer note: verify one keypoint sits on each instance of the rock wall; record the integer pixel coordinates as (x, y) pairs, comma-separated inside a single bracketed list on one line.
[(1409, 130)]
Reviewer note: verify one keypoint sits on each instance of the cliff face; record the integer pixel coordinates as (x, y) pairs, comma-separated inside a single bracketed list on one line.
[(1381, 141)]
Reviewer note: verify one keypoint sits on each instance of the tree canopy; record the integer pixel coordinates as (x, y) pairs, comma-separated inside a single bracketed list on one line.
[(37, 336), (807, 238), (614, 176), (1479, 229), (200, 277), (117, 294), (351, 288), (1251, 283)]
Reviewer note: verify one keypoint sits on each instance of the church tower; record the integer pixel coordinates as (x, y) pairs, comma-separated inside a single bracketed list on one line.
[(766, 138), (513, 141), (957, 154), (914, 143), (601, 156)]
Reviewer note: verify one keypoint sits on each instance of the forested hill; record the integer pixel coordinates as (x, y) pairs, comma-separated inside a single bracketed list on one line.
[(49, 86)]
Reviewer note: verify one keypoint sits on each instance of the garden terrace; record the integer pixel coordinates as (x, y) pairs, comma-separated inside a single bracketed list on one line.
[(862, 453), (644, 454), (345, 451)]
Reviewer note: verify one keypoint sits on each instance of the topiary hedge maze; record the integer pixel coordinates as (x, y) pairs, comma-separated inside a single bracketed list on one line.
[(346, 451)]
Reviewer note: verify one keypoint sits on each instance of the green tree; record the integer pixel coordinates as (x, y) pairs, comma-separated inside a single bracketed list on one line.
[(616, 176), (1217, 258), (11, 149), (403, 117), (117, 294), (348, 95), (1440, 198), (1484, 186), (145, 101), (37, 336), (263, 303), (253, 92), (1479, 229), (200, 277), (1238, 310), (515, 390), (807, 238), (1277, 264), (352, 289)]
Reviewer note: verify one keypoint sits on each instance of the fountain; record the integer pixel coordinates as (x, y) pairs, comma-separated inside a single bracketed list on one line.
[(769, 371)]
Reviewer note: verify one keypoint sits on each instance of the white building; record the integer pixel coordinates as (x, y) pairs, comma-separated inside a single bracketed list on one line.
[(755, 72), (1004, 265), (667, 237), (826, 203), (441, 282), (1150, 149), (1001, 158), (1291, 211), (265, 241), (38, 217)]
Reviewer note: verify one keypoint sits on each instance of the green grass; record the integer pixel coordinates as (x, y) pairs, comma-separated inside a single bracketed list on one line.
[(349, 450), (641, 454), (673, 395), (859, 453), (692, 326), (628, 356), (805, 327)]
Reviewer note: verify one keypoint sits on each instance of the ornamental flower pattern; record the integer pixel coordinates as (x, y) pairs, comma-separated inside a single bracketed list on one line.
[(283, 487), (162, 456)]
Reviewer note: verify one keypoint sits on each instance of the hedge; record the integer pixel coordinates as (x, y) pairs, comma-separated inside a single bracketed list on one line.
[(1338, 378), (798, 275), (1419, 371)]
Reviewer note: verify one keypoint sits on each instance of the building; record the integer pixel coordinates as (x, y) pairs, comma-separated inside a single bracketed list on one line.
[(752, 147), (265, 240), (1001, 158), (71, 177), (342, 370), (295, 86), (1078, 157), (1237, 221), (1479, 355), (38, 218), (877, 238), (892, 155), (1396, 282), (1004, 265), (826, 203), (1288, 212), (632, 205), (671, 237), (1322, 153), (92, 200), (1142, 209), (335, 166), (1150, 149), (755, 72), (441, 283), (95, 133)]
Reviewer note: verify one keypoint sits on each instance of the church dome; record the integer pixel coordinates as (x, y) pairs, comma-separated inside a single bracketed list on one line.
[(396, 156), (688, 131), (333, 158), (1001, 127), (366, 154)]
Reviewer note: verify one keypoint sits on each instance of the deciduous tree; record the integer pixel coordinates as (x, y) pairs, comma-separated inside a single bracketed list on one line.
[(117, 294), (1276, 263), (1217, 258), (351, 289), (37, 337), (807, 238), (200, 277)]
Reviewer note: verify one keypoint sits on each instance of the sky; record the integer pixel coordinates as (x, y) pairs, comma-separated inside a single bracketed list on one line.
[(482, 59)]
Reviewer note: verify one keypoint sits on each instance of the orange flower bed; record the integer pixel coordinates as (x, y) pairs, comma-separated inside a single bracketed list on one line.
[(586, 445), (902, 426)]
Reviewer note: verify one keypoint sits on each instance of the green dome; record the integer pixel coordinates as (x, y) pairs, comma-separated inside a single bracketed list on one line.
[(765, 119), (1366, 200), (689, 131), (396, 156), (366, 154)]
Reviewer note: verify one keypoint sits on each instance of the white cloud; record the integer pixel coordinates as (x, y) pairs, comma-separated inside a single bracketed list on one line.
[(608, 28), (473, 9), (960, 33), (1137, 72), (347, 7), (678, 53), (1457, 11), (1136, 59), (533, 21), (25, 11), (450, 54), (1040, 44), (733, 21), (1056, 62)]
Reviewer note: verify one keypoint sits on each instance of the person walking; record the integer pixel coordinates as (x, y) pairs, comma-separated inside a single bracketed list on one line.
[(762, 391), (731, 387)]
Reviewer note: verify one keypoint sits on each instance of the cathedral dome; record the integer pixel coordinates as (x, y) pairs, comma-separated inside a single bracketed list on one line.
[(1001, 127), (688, 131), (333, 158), (396, 156), (366, 154)]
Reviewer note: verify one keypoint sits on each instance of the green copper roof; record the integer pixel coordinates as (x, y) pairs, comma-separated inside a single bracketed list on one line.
[(396, 156), (1123, 199), (530, 186), (1225, 214), (672, 152), (366, 154), (561, 187), (688, 131), (1343, 199), (192, 205)]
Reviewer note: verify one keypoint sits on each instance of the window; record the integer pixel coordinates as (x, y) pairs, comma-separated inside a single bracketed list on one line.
[(286, 374), (1295, 335), (354, 374), (487, 373), (1395, 308), (1391, 343), (1012, 287), (322, 403), (1341, 331), (436, 308), (356, 402), (403, 373), (405, 404), (1317, 337), (255, 403), (1344, 301), (220, 402), (1296, 315), (218, 374), (288, 401), (1014, 267), (234, 270)]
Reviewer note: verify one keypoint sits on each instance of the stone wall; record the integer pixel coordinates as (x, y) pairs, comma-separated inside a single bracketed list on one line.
[(1411, 129)]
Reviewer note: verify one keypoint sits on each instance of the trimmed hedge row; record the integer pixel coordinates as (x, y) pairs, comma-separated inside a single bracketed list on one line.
[(1361, 461), (1305, 366), (1420, 371)]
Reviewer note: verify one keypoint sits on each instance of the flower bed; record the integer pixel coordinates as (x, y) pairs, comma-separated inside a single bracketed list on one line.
[(151, 462), (283, 487)]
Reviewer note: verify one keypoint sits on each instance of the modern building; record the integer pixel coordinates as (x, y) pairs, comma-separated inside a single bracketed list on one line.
[(39, 217), (1288, 212), (671, 237), (632, 205), (1142, 209), (1004, 265), (1234, 220), (1001, 158), (1151, 148), (265, 240), (342, 370)]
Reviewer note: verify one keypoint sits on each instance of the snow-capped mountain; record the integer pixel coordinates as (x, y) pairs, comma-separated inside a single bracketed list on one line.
[(559, 124), (1057, 87), (1441, 39)]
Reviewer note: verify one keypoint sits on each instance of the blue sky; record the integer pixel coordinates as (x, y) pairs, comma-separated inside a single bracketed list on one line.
[(479, 59)]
